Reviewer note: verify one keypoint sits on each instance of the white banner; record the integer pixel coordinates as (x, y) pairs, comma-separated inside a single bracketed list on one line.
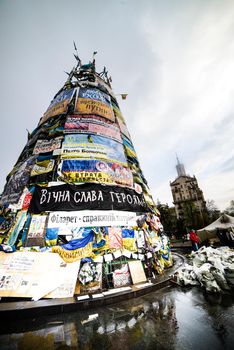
[(91, 218), (44, 146)]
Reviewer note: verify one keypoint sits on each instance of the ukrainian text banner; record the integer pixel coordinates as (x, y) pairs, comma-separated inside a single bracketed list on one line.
[(44, 146), (86, 196), (97, 218), (58, 105), (92, 118), (87, 106), (79, 125), (94, 94), (93, 146), (80, 171)]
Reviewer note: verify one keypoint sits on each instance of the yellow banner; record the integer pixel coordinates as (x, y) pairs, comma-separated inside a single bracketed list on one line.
[(88, 106), (86, 176), (42, 167), (59, 108), (74, 255)]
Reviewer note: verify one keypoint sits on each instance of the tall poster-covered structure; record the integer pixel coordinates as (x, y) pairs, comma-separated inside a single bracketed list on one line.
[(77, 188)]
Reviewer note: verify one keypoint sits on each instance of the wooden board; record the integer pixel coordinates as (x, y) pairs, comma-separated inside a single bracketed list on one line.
[(31, 274), (137, 271)]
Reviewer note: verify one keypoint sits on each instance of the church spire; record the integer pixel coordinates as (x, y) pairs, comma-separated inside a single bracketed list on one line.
[(180, 168)]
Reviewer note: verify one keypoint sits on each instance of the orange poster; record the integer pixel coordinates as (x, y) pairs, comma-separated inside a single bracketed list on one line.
[(88, 106)]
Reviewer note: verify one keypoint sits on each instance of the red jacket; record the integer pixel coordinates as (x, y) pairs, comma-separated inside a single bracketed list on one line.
[(193, 237)]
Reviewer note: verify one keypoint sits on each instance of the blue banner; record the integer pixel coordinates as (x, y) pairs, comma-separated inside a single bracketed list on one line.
[(94, 94), (93, 146), (64, 95), (79, 171), (79, 243), (127, 233)]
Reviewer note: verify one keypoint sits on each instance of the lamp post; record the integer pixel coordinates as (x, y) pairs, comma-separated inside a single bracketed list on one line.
[(124, 96)]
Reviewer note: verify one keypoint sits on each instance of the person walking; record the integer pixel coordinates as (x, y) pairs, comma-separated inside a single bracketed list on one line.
[(194, 239)]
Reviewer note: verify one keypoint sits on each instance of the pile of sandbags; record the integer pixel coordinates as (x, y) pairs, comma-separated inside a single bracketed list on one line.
[(212, 269)]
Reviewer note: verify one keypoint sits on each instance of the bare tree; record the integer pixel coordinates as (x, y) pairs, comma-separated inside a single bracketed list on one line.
[(212, 210), (230, 209)]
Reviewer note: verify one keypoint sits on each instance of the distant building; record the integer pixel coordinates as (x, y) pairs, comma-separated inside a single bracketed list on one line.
[(187, 197)]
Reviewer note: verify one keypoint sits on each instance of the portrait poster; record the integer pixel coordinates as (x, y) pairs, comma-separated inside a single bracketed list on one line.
[(89, 146), (97, 171)]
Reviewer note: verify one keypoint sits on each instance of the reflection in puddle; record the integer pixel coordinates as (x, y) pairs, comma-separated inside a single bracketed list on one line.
[(167, 319)]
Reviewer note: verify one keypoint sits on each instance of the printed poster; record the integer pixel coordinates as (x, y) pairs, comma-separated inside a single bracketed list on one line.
[(94, 94), (87, 106), (81, 125), (79, 171), (36, 232), (93, 146), (44, 146), (94, 101), (37, 226), (58, 105)]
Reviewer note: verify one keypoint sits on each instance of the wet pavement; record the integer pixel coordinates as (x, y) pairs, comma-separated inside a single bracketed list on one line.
[(171, 318)]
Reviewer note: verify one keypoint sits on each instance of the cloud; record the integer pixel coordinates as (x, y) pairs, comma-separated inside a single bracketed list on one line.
[(173, 58)]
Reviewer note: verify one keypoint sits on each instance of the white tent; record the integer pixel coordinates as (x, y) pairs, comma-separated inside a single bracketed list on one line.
[(224, 222)]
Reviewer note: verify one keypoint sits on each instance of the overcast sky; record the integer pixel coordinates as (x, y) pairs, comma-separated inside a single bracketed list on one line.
[(175, 59)]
